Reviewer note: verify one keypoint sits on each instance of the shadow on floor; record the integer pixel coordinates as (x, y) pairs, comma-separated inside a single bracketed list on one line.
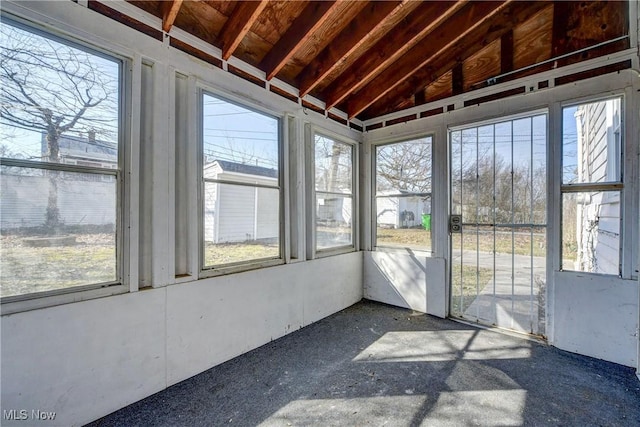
[(373, 364)]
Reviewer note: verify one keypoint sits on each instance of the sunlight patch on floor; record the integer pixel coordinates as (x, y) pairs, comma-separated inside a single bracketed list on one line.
[(434, 346)]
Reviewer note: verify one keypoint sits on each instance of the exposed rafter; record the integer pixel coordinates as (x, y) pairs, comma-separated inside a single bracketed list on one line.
[(512, 15), (312, 17), (389, 49), (376, 19), (372, 58), (170, 13), (446, 36), (239, 24)]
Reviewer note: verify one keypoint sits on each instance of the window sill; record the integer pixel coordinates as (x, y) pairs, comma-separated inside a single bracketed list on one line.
[(238, 268), (28, 302)]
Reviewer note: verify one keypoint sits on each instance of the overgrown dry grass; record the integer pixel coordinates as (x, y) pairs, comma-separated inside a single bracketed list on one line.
[(408, 237), (227, 253), (26, 269)]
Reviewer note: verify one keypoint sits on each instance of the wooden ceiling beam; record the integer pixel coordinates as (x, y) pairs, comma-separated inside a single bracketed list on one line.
[(239, 24), (390, 49), (370, 23), (512, 15), (170, 13), (312, 17), (449, 34)]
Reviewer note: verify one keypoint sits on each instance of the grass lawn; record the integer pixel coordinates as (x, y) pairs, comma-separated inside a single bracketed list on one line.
[(26, 269), (226, 253)]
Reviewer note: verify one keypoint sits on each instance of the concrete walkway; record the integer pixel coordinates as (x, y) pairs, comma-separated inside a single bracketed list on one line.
[(376, 365), (509, 304)]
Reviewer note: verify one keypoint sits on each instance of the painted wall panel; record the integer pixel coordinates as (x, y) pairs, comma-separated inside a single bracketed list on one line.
[(405, 279), (84, 360), (87, 359), (596, 316)]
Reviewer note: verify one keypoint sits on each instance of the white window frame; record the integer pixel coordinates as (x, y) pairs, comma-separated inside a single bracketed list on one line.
[(312, 250), (374, 190), (589, 187), (206, 271), (122, 284)]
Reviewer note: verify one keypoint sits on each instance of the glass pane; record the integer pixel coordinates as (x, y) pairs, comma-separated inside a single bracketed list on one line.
[(238, 144), (539, 166), (333, 220), (504, 207), (58, 230), (400, 223), (456, 173), (241, 223), (334, 166), (591, 232), (591, 142), (404, 167), (59, 103), (403, 186)]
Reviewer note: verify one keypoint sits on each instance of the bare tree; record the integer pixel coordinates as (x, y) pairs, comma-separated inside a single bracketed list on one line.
[(404, 166), (54, 88)]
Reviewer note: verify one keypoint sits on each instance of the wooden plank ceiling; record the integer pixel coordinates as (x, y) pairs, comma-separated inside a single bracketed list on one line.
[(373, 58)]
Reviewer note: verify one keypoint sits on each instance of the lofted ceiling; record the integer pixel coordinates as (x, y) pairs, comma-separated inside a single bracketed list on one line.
[(370, 58)]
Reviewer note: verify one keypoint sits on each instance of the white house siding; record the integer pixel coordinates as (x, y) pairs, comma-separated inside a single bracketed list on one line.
[(267, 214), (24, 201), (235, 213), (238, 213), (598, 225), (210, 192)]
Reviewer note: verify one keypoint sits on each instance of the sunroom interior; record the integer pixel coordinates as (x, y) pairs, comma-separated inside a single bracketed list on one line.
[(185, 181)]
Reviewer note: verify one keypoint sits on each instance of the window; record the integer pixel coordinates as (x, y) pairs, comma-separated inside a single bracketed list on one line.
[(334, 186), (241, 184), (403, 194), (591, 187), (60, 220)]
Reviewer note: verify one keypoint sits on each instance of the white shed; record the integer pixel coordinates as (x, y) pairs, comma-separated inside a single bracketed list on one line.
[(240, 213)]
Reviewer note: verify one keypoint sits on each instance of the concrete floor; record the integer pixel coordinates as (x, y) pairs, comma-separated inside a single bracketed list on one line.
[(373, 364)]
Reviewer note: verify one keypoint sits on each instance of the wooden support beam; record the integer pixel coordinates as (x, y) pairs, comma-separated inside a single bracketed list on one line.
[(446, 36), (457, 79), (390, 49), (506, 52), (377, 18), (239, 24), (311, 18), (170, 12), (514, 14)]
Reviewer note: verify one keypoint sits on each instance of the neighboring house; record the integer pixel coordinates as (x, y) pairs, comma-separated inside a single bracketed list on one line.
[(238, 213), (75, 150), (401, 212), (598, 213), (25, 196)]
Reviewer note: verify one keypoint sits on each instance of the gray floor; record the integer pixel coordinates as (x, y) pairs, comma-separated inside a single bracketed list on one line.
[(373, 364)]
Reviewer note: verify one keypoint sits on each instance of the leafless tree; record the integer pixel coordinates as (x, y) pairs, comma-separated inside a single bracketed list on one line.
[(54, 88), (404, 166)]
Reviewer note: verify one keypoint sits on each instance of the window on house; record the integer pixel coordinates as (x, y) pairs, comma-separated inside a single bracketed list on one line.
[(403, 194), (334, 189), (591, 187), (241, 188), (59, 147)]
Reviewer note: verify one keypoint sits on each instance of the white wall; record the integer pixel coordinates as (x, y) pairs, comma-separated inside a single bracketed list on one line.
[(405, 278), (87, 359), (596, 316)]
